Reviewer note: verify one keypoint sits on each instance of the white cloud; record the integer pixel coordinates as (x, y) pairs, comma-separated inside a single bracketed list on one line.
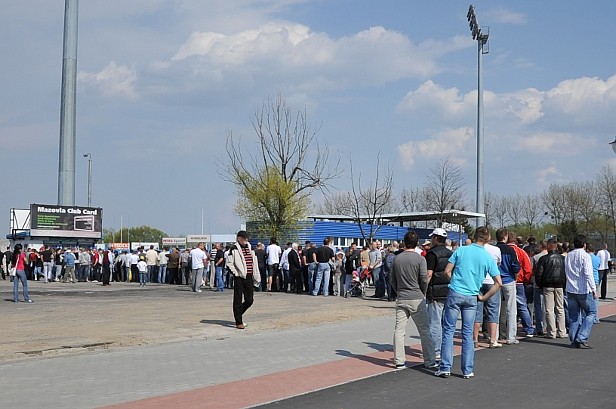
[(564, 119), (284, 52), (440, 101), (584, 96), (545, 142), (113, 80), (549, 175), (502, 15), (526, 105), (447, 142)]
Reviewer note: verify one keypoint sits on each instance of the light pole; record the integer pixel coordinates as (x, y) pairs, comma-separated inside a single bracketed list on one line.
[(482, 48), (89, 156)]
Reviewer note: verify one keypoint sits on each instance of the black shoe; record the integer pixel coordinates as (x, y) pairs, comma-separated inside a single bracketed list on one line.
[(583, 345)]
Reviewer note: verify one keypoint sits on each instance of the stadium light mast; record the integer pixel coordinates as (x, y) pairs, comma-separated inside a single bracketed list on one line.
[(89, 156), (66, 162), (481, 35)]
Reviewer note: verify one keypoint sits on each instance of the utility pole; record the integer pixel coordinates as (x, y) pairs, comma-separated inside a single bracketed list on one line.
[(66, 166), (481, 35)]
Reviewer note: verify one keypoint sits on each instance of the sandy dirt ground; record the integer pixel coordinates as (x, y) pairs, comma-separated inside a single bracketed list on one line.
[(82, 317)]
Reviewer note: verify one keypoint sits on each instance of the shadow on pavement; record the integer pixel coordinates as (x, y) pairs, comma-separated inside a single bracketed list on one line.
[(366, 358), (222, 323)]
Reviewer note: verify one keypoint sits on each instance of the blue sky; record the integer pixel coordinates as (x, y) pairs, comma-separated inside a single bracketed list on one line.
[(162, 81)]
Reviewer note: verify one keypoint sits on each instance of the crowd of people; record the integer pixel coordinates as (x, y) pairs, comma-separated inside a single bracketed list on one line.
[(550, 288)]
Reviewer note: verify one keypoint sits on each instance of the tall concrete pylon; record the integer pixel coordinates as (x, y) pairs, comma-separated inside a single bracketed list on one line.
[(66, 172)]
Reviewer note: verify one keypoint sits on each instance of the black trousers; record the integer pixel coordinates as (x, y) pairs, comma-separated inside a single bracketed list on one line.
[(134, 272), (242, 288), (106, 274), (603, 276), (174, 275)]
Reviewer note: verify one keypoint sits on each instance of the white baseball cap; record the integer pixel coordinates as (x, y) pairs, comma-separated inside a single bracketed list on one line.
[(438, 232)]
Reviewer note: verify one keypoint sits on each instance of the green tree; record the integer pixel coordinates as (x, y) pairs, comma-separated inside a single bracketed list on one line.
[(273, 203), (274, 181), (567, 230), (139, 233)]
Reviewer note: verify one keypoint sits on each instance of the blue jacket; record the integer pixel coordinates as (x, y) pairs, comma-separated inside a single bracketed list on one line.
[(509, 266), (69, 259)]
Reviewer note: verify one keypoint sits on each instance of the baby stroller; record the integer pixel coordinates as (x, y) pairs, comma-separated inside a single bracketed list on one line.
[(359, 284)]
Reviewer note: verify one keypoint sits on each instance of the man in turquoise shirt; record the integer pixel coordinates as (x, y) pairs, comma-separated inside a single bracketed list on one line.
[(468, 267)]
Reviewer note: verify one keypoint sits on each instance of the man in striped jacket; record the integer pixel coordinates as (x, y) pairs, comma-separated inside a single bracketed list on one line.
[(242, 262)]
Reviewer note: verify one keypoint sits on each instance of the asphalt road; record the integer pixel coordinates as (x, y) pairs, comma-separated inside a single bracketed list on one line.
[(537, 373)]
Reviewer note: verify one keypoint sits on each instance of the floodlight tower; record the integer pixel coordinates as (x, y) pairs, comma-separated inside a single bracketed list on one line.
[(481, 35), (66, 163), (89, 156)]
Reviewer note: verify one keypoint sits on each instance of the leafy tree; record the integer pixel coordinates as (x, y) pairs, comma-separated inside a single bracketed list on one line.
[(272, 202), (129, 234)]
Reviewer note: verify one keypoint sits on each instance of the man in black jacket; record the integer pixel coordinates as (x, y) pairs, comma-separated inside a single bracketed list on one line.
[(295, 270), (551, 280), (438, 285)]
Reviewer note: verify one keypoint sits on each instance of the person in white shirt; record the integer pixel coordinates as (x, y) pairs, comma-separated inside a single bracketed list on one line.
[(604, 269), (273, 264), (284, 267), (162, 266), (142, 266), (198, 259), (492, 304), (151, 259), (134, 269), (581, 293)]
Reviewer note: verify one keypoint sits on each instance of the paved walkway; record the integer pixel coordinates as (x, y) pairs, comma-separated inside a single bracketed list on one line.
[(215, 373)]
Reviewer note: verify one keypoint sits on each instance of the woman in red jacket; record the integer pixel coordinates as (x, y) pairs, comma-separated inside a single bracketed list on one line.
[(19, 262)]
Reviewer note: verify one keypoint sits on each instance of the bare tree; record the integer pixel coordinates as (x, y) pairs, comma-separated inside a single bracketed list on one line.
[(499, 210), (531, 211), (444, 187), (514, 209), (411, 200), (337, 203), (555, 200), (488, 208), (288, 160), (606, 187), (373, 201)]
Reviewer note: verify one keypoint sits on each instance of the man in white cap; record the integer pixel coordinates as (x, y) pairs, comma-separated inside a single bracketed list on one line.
[(437, 258)]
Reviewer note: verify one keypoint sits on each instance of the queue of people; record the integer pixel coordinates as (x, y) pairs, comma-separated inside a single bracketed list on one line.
[(549, 288)]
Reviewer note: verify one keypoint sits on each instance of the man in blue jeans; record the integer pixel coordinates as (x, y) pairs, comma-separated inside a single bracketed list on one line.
[(581, 293), (468, 267)]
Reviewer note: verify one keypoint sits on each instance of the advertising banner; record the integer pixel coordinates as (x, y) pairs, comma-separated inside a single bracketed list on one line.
[(119, 246), (134, 245), (66, 221), (174, 241), (198, 238)]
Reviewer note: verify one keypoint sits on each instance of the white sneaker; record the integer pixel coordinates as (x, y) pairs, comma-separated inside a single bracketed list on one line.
[(468, 376), (442, 374)]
